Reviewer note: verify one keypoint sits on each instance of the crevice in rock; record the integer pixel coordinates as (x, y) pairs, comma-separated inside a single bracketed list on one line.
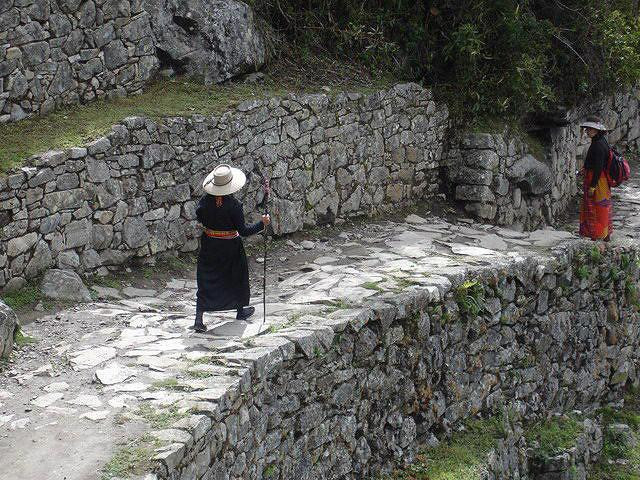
[(168, 62), (189, 25)]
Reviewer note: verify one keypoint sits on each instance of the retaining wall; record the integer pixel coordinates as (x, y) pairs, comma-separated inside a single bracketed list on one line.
[(348, 395), (498, 179), (55, 53), (133, 193)]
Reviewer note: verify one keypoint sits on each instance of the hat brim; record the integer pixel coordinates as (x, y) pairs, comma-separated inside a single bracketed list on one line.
[(597, 126), (236, 183)]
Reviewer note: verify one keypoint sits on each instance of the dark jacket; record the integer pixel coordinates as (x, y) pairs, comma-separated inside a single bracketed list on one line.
[(597, 157)]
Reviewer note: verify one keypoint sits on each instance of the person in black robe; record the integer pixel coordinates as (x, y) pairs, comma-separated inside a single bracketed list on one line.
[(223, 272)]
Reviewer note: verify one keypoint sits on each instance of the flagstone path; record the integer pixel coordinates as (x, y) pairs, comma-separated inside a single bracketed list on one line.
[(100, 371)]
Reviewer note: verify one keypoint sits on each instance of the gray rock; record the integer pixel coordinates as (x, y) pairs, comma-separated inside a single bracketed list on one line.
[(8, 325), (64, 285), (216, 39), (531, 175), (135, 232)]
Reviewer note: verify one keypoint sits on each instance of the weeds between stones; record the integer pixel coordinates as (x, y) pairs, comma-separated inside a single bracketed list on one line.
[(131, 459), (159, 419), (21, 339), (554, 436), (464, 456), (470, 298)]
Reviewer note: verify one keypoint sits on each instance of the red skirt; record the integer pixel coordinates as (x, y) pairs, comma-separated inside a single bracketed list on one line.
[(595, 212)]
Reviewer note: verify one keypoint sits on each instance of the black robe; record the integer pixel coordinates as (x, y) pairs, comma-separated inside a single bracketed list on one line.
[(223, 272)]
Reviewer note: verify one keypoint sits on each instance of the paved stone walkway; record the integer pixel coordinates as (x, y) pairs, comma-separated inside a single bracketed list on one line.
[(133, 354)]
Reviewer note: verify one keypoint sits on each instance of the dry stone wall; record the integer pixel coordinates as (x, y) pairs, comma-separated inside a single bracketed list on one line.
[(498, 179), (61, 52), (58, 52), (133, 193), (348, 395)]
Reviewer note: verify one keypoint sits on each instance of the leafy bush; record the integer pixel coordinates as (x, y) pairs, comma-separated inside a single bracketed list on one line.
[(485, 57)]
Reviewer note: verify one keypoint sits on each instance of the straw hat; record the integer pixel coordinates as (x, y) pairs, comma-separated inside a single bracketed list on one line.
[(594, 122), (224, 180)]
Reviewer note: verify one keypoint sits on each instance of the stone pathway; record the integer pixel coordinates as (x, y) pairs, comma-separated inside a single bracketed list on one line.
[(132, 355)]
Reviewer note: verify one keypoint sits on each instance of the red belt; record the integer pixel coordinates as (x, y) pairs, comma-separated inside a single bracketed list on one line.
[(221, 234)]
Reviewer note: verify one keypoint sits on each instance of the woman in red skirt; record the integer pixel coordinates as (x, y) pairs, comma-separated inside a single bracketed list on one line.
[(595, 212)]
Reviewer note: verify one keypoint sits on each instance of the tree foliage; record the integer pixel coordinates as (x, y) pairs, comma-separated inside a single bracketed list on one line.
[(487, 57)]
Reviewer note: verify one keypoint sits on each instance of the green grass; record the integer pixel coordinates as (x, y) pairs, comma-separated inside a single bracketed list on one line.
[(373, 286), (159, 419), (463, 457), (470, 298), (133, 458), (21, 339), (199, 374), (27, 296), (554, 436), (76, 125)]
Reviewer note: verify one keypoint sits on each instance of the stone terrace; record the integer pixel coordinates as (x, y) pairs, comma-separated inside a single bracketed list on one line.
[(66, 405)]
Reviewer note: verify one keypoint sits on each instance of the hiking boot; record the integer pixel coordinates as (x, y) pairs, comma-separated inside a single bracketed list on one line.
[(245, 312), (199, 327)]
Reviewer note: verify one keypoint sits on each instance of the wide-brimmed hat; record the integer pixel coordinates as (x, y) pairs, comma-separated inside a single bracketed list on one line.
[(594, 122), (224, 180)]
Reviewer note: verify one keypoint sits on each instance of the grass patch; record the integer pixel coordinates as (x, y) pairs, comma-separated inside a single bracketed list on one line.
[(133, 458), (373, 286), (554, 436), (470, 298), (27, 296), (21, 339), (160, 419), (169, 384), (462, 457), (76, 125), (582, 272), (199, 374), (291, 320), (109, 281)]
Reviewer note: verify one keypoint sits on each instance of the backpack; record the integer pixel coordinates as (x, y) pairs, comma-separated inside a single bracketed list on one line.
[(617, 168)]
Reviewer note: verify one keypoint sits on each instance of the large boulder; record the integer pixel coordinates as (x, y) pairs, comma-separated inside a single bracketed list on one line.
[(8, 325), (64, 285), (531, 175), (212, 39)]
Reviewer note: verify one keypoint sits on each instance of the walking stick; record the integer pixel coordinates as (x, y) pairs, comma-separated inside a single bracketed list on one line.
[(265, 186)]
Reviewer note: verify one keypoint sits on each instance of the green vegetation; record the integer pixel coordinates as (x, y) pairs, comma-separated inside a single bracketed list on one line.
[(582, 272), (373, 286), (554, 436), (21, 339), (199, 374), (27, 296), (595, 255), (74, 126), (159, 419), (615, 445), (169, 384), (269, 471), (462, 457), (133, 458), (470, 298), (501, 58)]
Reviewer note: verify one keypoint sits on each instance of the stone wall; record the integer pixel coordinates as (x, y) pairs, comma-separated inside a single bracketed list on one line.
[(498, 179), (58, 52), (133, 193), (350, 393), (61, 52)]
